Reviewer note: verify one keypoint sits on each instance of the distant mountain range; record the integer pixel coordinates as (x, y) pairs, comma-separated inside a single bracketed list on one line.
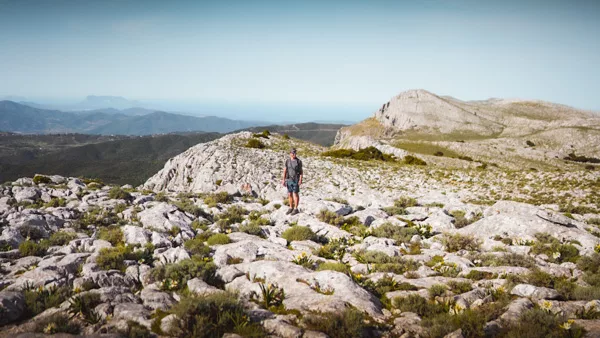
[(20, 118)]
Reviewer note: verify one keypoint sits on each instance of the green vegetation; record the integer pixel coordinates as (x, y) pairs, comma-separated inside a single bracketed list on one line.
[(383, 263), (460, 221), (459, 287), (119, 194), (232, 215), (136, 330), (456, 242), (40, 179), (218, 239), (57, 323), (413, 160), (397, 233), (174, 276), (334, 249), (337, 266), (38, 299), (112, 234), (196, 246), (425, 148), (350, 323), (252, 228), (255, 143), (31, 248), (400, 206), (271, 296), (187, 205), (212, 200), (582, 159), (365, 154), (555, 250), (82, 306), (541, 323), (299, 233), (212, 316), (114, 258)]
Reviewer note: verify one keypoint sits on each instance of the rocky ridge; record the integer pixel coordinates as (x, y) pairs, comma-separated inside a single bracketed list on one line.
[(382, 249)]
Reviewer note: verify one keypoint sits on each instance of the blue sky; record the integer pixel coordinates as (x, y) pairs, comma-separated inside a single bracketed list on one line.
[(344, 57)]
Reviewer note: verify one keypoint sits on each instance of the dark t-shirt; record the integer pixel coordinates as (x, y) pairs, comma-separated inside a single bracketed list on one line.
[(294, 169)]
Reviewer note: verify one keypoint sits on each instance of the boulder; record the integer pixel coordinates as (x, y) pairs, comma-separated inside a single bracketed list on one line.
[(12, 306), (536, 292)]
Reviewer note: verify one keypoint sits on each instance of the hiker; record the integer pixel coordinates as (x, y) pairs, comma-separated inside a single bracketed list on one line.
[(292, 179)]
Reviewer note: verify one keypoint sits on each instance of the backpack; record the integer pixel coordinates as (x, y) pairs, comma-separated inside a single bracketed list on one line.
[(293, 171)]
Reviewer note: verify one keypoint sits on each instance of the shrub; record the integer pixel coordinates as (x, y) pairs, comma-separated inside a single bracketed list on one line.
[(456, 242), (112, 234), (298, 233), (83, 306), (181, 272), (555, 250), (195, 246), (413, 160), (37, 300), (398, 234), (438, 153), (187, 205), (233, 215), (349, 323), (40, 179), (386, 284), (330, 217), (417, 304), (271, 296), (582, 159), (335, 249), (286, 136), (530, 144), (365, 154), (252, 228), (437, 290), (254, 143), (136, 330), (384, 263), (339, 267), (212, 316), (55, 203), (459, 287), (540, 323), (56, 323), (465, 158), (119, 194), (460, 221), (218, 198), (30, 248), (479, 275), (114, 258), (61, 238), (400, 206), (218, 239)]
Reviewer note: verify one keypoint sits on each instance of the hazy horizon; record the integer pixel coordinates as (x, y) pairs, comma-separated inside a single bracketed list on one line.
[(321, 60)]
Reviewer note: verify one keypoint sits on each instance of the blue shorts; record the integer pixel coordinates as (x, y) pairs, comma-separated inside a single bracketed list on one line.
[(292, 186)]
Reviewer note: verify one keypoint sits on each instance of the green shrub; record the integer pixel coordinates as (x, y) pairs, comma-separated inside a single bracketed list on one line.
[(175, 276), (55, 203), (437, 290), (335, 249), (438, 153), (187, 205), (419, 305), (254, 143), (37, 300), (136, 330), (161, 197), (365, 154), (339, 267), (397, 233), (386, 284), (119, 194), (40, 179), (413, 160), (233, 215), (195, 246), (460, 221), (348, 324), (530, 144), (555, 250), (61, 238), (286, 136), (298, 233), (330, 217), (456, 242), (112, 234), (114, 258), (540, 323), (384, 263), (459, 287), (218, 239), (252, 228), (56, 323), (212, 200), (31, 232), (471, 322), (212, 316), (84, 305), (465, 158), (30, 248), (479, 275)]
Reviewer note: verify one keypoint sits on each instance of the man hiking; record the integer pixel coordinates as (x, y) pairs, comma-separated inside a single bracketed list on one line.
[(292, 179)]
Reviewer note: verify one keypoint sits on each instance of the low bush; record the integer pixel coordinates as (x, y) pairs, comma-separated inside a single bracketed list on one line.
[(479, 275), (540, 323), (252, 228), (254, 143), (335, 249), (40, 179), (114, 258), (330, 217), (419, 305), (212, 316), (413, 160), (119, 194), (556, 251), (212, 200), (384, 263), (37, 300), (437, 290), (348, 324), (56, 323), (112, 234), (31, 248), (196, 247), (456, 242), (176, 275), (136, 330), (459, 287), (232, 215), (187, 205), (299, 233), (397, 233), (365, 154), (400, 206), (580, 158), (460, 221), (386, 284), (218, 239)]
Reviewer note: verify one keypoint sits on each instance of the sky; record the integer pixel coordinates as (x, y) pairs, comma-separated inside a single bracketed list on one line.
[(302, 59)]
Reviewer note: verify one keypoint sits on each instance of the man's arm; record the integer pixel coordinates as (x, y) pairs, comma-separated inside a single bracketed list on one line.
[(284, 173), (301, 173)]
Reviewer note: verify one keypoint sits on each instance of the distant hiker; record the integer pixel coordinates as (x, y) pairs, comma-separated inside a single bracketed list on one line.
[(292, 179)]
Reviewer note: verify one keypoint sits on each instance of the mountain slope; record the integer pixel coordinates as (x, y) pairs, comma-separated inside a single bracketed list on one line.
[(15, 117), (498, 131)]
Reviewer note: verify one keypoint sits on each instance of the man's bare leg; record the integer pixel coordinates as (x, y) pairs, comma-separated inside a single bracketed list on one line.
[(291, 200), (296, 200)]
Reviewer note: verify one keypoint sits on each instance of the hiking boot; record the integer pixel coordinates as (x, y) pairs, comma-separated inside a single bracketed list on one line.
[(289, 211), (295, 212)]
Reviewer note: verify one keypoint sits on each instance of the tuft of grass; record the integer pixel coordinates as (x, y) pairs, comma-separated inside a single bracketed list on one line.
[(413, 160), (255, 143), (365, 154), (383, 263), (338, 266), (349, 323), (119, 194), (460, 221), (31, 248), (398, 234), (174, 276), (37, 300), (112, 234), (57, 323), (556, 251)]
